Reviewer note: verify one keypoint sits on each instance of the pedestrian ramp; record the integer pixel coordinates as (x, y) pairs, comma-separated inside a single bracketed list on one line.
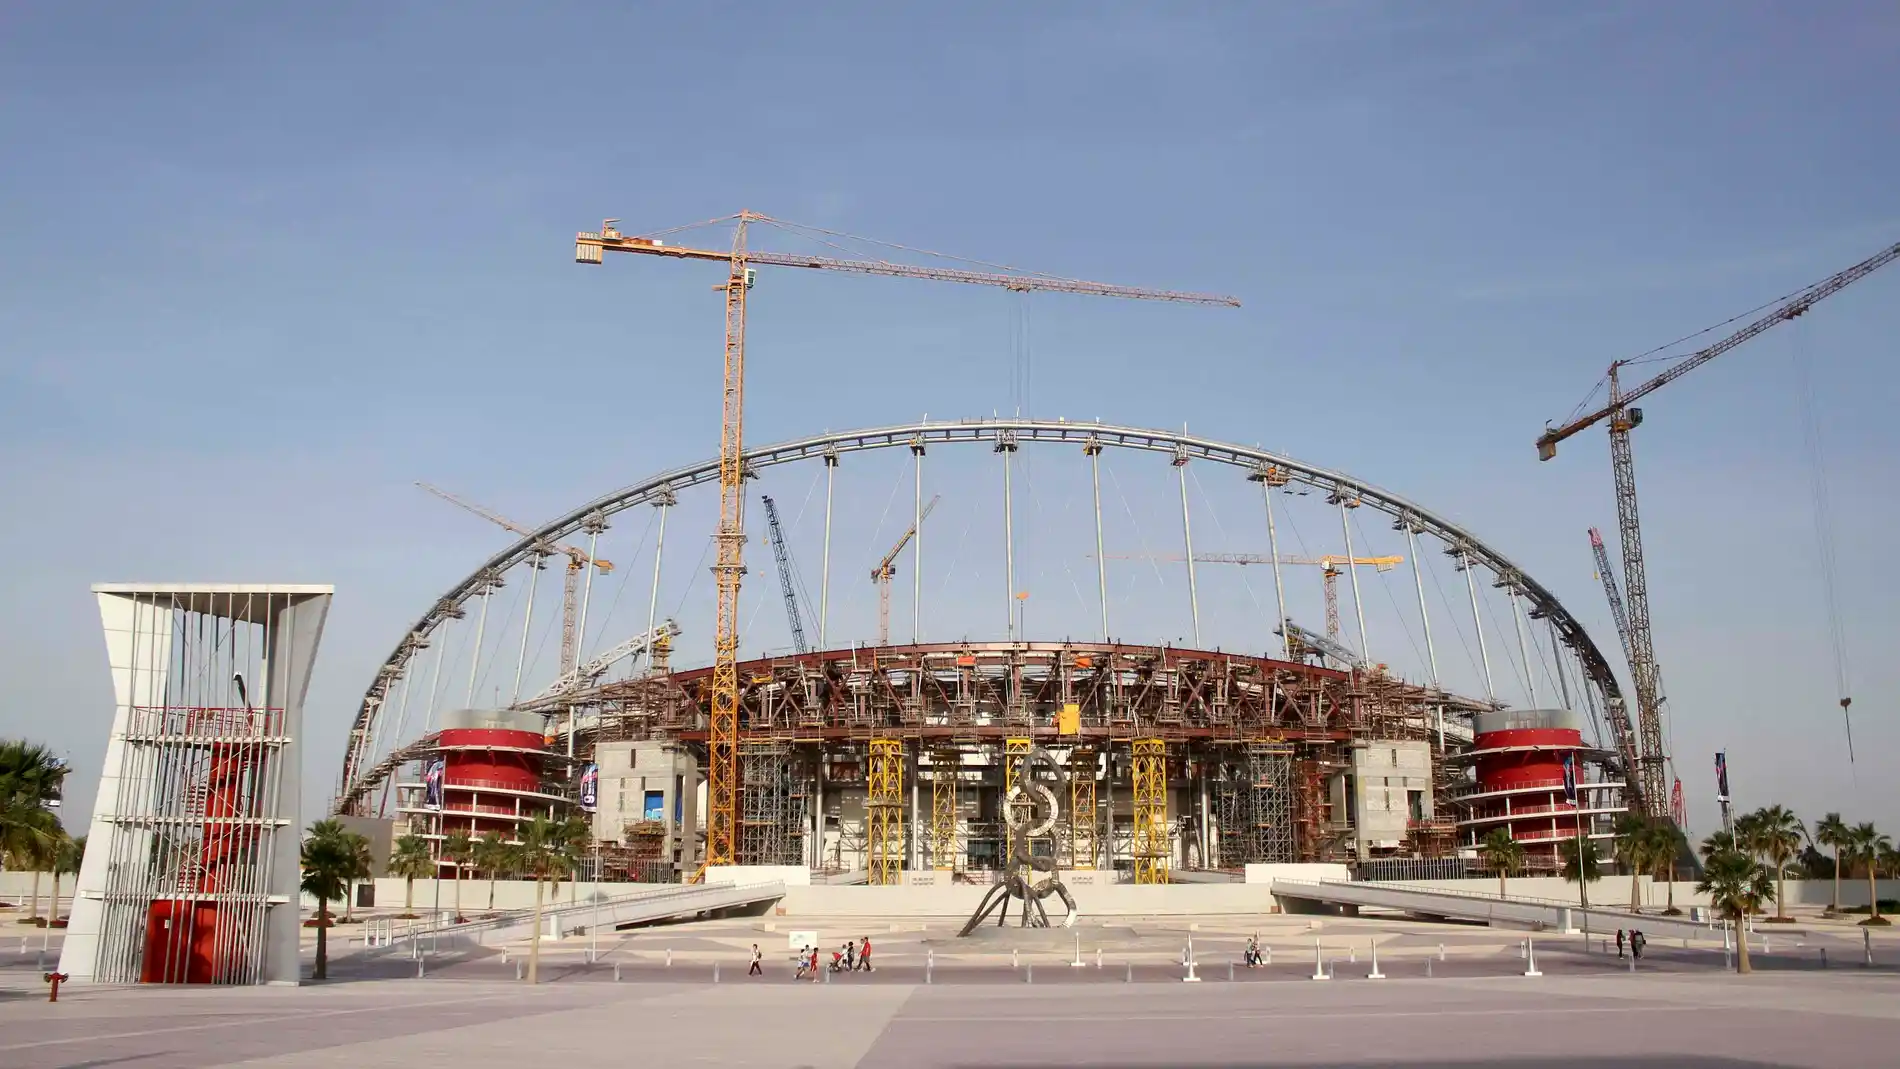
[(1510, 911), (607, 912)]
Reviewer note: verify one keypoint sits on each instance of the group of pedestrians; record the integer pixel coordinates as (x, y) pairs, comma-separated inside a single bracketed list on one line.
[(1636, 941), (852, 957), (1251, 958)]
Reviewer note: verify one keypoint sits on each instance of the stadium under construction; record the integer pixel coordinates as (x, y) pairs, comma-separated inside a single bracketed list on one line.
[(898, 763)]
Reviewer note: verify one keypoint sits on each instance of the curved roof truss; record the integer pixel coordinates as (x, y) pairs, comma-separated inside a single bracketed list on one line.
[(1258, 463)]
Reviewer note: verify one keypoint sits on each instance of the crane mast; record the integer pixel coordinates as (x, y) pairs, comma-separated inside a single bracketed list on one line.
[(591, 247), (1617, 714), (785, 576), (1623, 417)]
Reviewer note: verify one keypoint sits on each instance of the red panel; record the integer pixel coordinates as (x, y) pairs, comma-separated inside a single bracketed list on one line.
[(179, 937)]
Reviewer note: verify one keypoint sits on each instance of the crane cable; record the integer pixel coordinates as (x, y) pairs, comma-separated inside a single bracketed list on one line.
[(1823, 527)]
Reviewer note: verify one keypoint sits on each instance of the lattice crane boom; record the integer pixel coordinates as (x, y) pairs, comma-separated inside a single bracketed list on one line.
[(577, 561), (1329, 577), (886, 568), (1622, 418), (1617, 714), (591, 247), (785, 583)]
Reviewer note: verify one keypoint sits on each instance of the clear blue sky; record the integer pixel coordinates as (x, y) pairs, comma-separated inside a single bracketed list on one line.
[(261, 267)]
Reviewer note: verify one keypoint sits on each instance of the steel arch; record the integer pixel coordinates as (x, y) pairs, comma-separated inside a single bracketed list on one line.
[(1259, 462)]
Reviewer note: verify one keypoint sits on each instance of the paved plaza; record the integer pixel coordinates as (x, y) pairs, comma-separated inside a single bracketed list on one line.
[(1453, 996)]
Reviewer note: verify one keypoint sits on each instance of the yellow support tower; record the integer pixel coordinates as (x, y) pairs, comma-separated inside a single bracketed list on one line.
[(1151, 811), (1014, 750), (945, 763), (1082, 817), (884, 807)]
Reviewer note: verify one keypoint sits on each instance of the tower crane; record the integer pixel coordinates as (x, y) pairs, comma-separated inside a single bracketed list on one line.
[(886, 568), (1618, 714), (591, 247), (577, 562), (1331, 564), (1623, 417), (785, 576)]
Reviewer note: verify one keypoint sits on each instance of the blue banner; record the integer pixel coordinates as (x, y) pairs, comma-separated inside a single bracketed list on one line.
[(1570, 778), (590, 787), (432, 778), (1721, 776)]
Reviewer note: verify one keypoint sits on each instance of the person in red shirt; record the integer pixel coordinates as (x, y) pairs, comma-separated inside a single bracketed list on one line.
[(814, 965), (864, 955)]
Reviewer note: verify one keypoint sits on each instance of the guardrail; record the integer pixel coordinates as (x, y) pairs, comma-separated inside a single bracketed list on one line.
[(1468, 905)]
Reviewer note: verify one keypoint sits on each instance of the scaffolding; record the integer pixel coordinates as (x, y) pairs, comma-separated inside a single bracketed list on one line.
[(1150, 774), (884, 810), (945, 763), (1253, 807), (1084, 821), (771, 804)]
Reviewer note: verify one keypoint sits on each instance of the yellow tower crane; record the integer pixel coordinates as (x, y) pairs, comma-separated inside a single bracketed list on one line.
[(577, 562), (886, 568), (591, 247)]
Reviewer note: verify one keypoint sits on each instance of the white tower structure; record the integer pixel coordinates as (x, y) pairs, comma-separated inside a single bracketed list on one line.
[(191, 867)]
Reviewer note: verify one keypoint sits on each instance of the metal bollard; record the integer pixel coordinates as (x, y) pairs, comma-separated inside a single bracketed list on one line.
[(1632, 960), (669, 957), (616, 972), (1230, 970), (419, 972), (1375, 974), (1013, 963), (1354, 953), (1441, 952), (1029, 974), (715, 972), (1428, 968), (1130, 978), (1530, 955), (1269, 954), (517, 970), (1823, 957), (1319, 964), (1098, 957), (504, 955), (927, 973)]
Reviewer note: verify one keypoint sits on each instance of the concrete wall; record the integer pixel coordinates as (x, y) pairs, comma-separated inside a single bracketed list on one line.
[(1614, 891), (958, 902), (17, 887)]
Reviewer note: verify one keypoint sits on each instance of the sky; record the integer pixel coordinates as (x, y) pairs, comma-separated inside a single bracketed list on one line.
[(262, 268)]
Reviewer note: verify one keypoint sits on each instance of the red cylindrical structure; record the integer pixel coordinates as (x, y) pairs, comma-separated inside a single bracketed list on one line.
[(492, 767), (1519, 757)]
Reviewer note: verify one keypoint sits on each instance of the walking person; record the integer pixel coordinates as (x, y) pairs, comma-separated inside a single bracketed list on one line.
[(850, 956), (757, 969), (1619, 943), (813, 960), (803, 959), (1637, 941), (864, 955)]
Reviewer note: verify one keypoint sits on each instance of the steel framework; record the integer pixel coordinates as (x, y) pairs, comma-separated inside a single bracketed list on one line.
[(884, 812), (945, 763), (1253, 807), (1152, 846), (362, 750), (1084, 820)]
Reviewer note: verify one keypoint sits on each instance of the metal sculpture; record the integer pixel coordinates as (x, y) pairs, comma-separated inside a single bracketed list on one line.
[(1027, 878)]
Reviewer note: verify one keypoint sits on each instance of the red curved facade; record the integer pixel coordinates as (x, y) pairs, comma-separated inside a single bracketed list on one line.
[(492, 781), (1519, 760)]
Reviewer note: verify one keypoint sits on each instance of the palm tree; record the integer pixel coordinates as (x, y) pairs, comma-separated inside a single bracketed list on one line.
[(410, 860), (66, 859), (459, 849), (352, 847), (1581, 865), (549, 848), (328, 862), (1737, 885), (1748, 833), (1502, 854), (1776, 835), (30, 781), (1832, 832), (1721, 842), (1868, 846), (494, 855), (1635, 843), (1666, 845)]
